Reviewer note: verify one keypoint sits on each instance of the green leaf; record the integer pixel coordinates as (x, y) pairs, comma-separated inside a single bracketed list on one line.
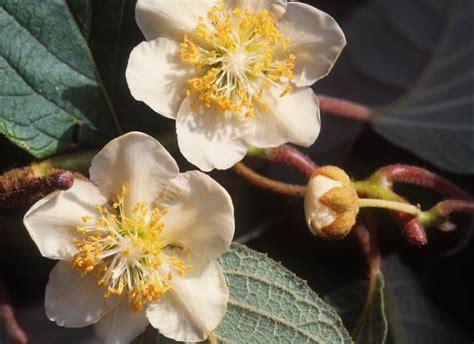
[(372, 327), (82, 11), (435, 119), (413, 60), (422, 316), (50, 98), (367, 319), (270, 304)]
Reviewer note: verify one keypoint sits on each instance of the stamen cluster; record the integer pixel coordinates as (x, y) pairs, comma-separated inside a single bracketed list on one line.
[(125, 253), (239, 49)]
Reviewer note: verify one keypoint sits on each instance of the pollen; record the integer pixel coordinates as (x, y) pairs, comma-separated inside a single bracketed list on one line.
[(241, 54), (125, 253)]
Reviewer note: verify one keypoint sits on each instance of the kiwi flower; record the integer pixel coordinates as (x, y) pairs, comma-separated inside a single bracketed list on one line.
[(137, 246), (331, 203), (233, 73)]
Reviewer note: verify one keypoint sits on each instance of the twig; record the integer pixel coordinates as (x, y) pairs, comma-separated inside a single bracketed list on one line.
[(7, 312), (20, 187), (269, 184), (293, 158), (422, 177), (345, 108)]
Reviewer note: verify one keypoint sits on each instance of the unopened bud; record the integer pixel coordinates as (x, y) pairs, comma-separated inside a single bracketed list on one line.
[(331, 203)]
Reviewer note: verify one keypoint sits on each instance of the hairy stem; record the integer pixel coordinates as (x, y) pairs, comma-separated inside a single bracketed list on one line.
[(345, 108), (419, 176), (21, 187), (288, 156), (269, 184), (412, 230)]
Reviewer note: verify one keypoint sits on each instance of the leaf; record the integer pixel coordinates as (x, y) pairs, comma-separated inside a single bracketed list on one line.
[(368, 320), (423, 319), (439, 108), (82, 12), (50, 98), (417, 56), (269, 303), (348, 301), (372, 327)]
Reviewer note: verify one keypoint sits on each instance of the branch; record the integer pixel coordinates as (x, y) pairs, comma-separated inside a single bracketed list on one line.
[(345, 108), (269, 184)]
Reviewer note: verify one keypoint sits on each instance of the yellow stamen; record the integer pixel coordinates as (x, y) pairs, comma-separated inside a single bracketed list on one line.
[(124, 252), (238, 47)]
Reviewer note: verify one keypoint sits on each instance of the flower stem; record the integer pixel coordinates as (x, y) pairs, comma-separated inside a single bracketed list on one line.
[(441, 211), (269, 184), (412, 229), (419, 176), (345, 108), (286, 155), (380, 203)]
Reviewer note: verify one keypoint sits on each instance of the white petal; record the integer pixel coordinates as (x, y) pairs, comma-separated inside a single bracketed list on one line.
[(73, 299), (315, 39), (317, 214), (170, 18), (276, 7), (292, 118), (137, 159), (121, 325), (200, 214), (157, 76), (211, 139), (194, 306), (52, 221)]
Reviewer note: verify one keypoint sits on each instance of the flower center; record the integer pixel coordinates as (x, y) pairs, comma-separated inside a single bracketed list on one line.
[(244, 54), (125, 253)]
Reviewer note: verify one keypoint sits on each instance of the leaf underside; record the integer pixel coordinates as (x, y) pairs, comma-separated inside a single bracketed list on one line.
[(423, 49), (50, 100), (269, 304)]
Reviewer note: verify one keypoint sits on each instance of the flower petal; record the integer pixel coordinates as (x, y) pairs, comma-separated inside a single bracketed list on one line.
[(157, 76), (315, 39), (170, 18), (200, 214), (121, 325), (194, 306), (209, 138), (292, 118), (276, 7), (51, 222), (73, 299), (137, 159)]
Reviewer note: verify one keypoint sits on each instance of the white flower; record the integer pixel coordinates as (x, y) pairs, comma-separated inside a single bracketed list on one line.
[(233, 73), (138, 247), (331, 203)]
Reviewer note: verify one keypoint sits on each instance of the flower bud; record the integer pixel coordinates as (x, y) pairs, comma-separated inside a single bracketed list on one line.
[(331, 203)]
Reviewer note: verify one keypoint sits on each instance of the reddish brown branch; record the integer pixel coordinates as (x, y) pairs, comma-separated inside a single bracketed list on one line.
[(292, 157), (422, 177), (366, 236), (7, 313), (20, 187), (345, 108), (269, 184), (447, 207)]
